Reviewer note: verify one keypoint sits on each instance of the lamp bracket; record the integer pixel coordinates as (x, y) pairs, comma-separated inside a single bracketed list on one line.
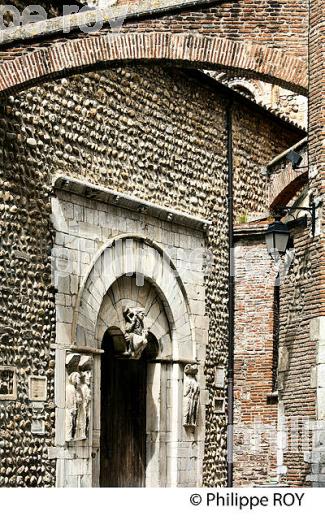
[(288, 210)]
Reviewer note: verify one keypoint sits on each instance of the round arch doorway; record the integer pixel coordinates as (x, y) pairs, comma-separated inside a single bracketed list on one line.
[(123, 457), (173, 454)]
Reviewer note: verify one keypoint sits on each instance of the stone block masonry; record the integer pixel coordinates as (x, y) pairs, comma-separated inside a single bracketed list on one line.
[(182, 244)]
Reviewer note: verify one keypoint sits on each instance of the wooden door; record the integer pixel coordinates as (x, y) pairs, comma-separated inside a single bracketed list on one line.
[(123, 421)]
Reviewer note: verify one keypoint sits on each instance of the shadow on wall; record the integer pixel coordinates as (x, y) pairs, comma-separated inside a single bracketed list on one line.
[(297, 357)]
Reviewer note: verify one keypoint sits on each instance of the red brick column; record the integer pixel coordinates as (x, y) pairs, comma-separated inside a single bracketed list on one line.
[(317, 184), (317, 92), (255, 414)]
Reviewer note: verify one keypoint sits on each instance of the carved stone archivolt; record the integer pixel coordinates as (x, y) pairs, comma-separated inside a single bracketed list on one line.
[(136, 336), (191, 395), (78, 396)]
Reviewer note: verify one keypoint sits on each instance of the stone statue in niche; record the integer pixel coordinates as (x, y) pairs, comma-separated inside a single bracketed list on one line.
[(84, 407), (136, 336), (78, 396), (191, 396), (73, 401)]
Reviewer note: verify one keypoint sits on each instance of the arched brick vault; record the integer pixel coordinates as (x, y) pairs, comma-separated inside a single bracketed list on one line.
[(59, 58), (285, 181), (283, 188)]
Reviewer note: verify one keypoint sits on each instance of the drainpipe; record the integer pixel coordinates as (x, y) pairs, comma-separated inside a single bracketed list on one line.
[(231, 297)]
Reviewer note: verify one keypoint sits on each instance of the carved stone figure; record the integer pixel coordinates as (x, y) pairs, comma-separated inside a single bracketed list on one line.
[(191, 396), (136, 336), (78, 396), (73, 401), (83, 415)]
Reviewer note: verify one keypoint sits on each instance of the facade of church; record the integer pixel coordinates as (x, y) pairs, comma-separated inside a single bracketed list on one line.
[(147, 338)]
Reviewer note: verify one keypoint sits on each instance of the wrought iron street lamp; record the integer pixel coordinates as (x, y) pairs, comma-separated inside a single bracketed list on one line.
[(278, 233), (277, 237)]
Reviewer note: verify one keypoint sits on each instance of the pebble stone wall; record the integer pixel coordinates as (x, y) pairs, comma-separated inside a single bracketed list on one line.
[(150, 132), (27, 303)]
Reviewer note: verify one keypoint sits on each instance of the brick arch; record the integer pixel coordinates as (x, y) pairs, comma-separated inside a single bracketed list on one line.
[(58, 58), (283, 189), (285, 181)]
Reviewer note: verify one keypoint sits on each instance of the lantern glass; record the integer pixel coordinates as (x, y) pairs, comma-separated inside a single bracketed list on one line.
[(269, 239), (281, 241), (277, 237)]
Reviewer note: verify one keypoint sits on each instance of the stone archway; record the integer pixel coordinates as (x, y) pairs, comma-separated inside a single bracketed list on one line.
[(133, 392), (135, 272), (128, 255), (126, 293)]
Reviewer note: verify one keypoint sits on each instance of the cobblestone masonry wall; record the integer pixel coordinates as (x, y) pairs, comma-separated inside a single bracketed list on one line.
[(149, 132), (27, 306), (251, 195)]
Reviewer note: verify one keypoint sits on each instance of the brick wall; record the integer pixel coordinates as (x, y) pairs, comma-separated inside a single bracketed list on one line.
[(316, 92), (255, 420), (259, 454), (263, 40), (295, 414), (282, 24)]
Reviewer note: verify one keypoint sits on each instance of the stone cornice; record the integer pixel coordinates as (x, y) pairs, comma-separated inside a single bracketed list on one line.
[(252, 230), (105, 195), (113, 16)]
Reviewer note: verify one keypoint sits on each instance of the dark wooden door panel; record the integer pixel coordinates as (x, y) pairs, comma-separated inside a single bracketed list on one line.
[(123, 421)]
